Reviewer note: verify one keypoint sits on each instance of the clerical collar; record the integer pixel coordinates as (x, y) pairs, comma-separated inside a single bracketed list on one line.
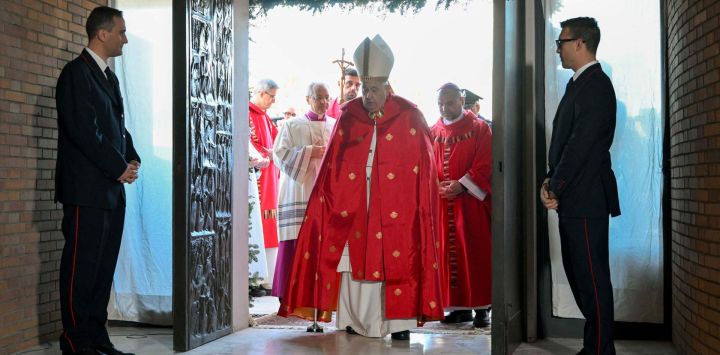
[(454, 120), (582, 69), (312, 116)]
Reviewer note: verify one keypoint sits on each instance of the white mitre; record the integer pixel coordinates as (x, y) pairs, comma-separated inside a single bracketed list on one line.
[(374, 58)]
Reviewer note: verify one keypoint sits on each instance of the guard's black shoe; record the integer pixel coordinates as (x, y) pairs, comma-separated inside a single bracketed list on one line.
[(404, 335), (350, 330), (482, 318), (458, 317), (83, 351), (109, 349)]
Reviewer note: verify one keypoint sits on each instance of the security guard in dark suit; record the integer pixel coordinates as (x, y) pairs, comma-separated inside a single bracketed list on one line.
[(580, 183), (95, 158)]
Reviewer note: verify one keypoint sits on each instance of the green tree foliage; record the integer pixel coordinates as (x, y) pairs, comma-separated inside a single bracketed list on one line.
[(261, 7)]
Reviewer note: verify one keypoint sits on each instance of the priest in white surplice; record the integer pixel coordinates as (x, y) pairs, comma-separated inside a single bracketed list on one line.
[(298, 151)]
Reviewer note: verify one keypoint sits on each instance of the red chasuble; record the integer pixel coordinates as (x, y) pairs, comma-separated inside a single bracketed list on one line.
[(262, 136), (461, 148), (392, 241)]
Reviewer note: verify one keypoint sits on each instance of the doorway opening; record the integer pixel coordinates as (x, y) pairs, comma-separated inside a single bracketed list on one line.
[(458, 54), (431, 47)]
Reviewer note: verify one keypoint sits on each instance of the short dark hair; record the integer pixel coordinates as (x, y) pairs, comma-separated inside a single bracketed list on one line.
[(585, 28), (101, 17), (351, 72)]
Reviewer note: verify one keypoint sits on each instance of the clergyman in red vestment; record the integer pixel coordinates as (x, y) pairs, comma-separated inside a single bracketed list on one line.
[(462, 146), (368, 247), (262, 136)]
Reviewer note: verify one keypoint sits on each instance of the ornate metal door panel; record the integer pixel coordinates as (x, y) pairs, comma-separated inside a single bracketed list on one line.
[(507, 226), (202, 163)]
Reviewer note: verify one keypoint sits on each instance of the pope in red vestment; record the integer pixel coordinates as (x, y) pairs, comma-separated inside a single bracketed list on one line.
[(262, 136), (462, 146), (394, 240)]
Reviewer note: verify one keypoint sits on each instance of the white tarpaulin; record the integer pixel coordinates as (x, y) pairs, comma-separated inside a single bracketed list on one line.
[(142, 289), (629, 53)]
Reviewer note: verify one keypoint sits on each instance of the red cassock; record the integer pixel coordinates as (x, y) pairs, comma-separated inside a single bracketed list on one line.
[(464, 148), (392, 241), (262, 136)]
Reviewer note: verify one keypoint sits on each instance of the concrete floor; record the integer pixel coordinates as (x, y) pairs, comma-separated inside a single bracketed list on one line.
[(555, 346), (158, 341), (296, 341), (289, 341)]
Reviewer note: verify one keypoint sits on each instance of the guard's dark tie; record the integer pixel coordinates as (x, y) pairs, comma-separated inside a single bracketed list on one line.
[(110, 76), (113, 81), (570, 85), (118, 97)]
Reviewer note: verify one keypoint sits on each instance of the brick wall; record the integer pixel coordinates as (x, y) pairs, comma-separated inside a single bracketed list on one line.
[(694, 110), (37, 38)]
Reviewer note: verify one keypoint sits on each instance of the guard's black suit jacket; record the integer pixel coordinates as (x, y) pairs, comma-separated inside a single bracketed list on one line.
[(94, 147), (580, 173)]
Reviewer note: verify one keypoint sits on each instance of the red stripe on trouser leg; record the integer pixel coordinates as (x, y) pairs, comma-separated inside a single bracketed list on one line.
[(597, 302), (72, 347), (72, 275)]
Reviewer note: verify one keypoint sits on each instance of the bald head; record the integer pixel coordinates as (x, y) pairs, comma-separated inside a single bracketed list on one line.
[(450, 101)]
